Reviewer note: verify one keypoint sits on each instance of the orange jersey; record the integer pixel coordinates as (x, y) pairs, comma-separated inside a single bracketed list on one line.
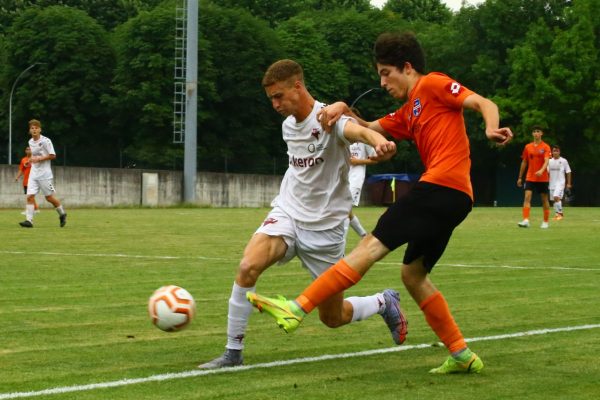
[(535, 156), (25, 168), (433, 118)]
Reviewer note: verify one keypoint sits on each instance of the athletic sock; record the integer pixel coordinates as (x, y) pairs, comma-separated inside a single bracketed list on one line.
[(358, 228), (60, 210), (463, 356), (546, 215), (526, 211), (440, 319), (336, 279), (558, 206), (29, 210), (237, 316), (366, 306)]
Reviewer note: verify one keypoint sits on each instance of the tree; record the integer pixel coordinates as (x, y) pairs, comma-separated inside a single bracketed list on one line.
[(64, 91), (241, 132), (425, 10)]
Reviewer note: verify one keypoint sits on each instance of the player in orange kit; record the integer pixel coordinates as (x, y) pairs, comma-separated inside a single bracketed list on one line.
[(426, 216), (535, 158)]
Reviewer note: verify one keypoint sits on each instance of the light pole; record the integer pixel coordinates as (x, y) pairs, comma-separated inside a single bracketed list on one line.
[(10, 110)]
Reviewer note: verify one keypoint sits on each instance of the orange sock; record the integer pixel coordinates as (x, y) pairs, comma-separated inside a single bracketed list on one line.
[(546, 215), (526, 211), (336, 279), (440, 319)]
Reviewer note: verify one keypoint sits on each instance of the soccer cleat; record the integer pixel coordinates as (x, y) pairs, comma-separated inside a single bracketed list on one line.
[(524, 223), (280, 308), (26, 224), (558, 217), (393, 317), (63, 220), (544, 225), (231, 358), (451, 366)]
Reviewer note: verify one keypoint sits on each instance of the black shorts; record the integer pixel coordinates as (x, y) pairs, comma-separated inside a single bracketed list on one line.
[(424, 218), (540, 187)]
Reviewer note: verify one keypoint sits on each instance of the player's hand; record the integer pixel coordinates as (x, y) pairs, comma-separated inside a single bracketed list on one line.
[(500, 136), (539, 173), (384, 151), (519, 182), (330, 114)]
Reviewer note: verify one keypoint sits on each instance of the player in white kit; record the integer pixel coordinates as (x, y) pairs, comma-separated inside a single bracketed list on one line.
[(308, 215), (558, 167), (359, 159), (40, 177)]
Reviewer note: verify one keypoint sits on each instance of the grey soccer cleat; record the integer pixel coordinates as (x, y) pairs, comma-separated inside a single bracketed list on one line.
[(393, 317), (231, 358), (26, 224), (63, 220)]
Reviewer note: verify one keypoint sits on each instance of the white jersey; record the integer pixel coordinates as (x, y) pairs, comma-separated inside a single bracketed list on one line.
[(314, 190), (357, 173), (558, 167), (41, 148)]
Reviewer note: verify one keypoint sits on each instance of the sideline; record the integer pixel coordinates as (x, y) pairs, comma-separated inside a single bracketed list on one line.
[(194, 373)]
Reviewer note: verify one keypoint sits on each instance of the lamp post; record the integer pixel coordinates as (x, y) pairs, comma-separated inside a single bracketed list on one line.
[(10, 110)]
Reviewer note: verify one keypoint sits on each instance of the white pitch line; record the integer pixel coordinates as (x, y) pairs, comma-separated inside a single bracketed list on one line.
[(194, 373), (120, 255), (116, 255)]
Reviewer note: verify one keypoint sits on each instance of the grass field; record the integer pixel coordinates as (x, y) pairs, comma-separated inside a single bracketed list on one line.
[(74, 323)]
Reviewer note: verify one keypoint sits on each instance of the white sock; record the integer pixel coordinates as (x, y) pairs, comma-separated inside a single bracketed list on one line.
[(558, 206), (29, 210), (366, 306), (358, 228), (60, 210), (237, 317)]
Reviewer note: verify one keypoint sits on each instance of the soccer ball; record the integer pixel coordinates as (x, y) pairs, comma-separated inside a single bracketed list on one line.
[(171, 308)]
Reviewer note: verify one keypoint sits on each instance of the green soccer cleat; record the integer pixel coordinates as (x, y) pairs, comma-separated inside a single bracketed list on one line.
[(286, 313), (451, 366)]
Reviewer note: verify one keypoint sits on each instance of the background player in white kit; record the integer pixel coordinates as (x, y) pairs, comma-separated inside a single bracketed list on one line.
[(308, 214), (40, 177), (359, 159), (558, 167)]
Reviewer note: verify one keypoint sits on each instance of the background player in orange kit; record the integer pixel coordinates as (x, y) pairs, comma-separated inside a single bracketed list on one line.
[(535, 158)]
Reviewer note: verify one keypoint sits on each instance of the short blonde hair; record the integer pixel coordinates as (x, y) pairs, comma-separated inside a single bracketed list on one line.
[(35, 122)]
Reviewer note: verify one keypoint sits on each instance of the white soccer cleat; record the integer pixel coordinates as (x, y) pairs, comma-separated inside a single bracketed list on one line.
[(524, 223), (544, 225)]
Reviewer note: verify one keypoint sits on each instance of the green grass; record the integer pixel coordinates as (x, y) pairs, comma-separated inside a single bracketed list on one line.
[(73, 310)]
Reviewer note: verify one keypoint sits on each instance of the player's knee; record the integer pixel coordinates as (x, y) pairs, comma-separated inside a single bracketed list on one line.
[(248, 273)]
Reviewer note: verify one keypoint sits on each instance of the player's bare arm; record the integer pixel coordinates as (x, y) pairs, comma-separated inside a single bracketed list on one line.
[(489, 111), (384, 148), (544, 168), (329, 115)]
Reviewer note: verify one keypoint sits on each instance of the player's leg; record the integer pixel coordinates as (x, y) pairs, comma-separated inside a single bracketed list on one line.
[(337, 311), (557, 195), (267, 246), (545, 205), (354, 221), (47, 188), (526, 205), (33, 188)]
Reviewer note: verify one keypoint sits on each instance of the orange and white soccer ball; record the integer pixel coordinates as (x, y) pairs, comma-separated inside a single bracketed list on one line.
[(171, 308)]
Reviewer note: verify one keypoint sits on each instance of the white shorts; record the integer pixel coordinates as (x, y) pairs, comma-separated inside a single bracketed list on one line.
[(558, 191), (317, 250), (355, 191), (34, 186)]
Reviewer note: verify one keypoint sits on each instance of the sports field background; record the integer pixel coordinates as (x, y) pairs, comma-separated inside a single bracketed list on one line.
[(73, 311)]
